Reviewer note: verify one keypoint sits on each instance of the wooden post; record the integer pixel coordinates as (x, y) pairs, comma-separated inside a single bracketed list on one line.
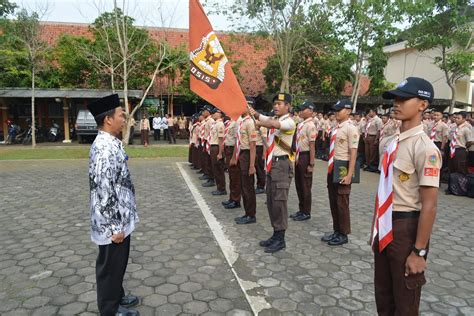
[(4, 109), (67, 137)]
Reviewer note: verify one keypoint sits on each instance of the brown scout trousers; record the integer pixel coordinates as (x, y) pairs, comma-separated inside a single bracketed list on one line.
[(396, 294), (303, 182), (260, 167), (247, 184), (371, 151), (278, 185), (190, 153), (196, 160), (458, 164), (234, 175), (206, 163), (218, 168), (339, 204)]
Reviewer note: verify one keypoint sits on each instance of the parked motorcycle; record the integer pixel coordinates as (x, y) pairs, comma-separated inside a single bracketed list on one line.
[(13, 131), (54, 132)]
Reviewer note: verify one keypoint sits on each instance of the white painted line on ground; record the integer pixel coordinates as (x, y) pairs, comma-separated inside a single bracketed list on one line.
[(256, 302)]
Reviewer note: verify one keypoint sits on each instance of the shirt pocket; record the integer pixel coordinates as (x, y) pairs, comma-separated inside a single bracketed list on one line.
[(405, 166)]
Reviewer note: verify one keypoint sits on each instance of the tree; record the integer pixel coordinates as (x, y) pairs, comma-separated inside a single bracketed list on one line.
[(26, 30), (281, 20), (366, 25), (6, 8), (448, 31)]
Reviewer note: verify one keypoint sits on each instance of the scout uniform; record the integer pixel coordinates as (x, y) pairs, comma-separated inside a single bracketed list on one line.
[(217, 133), (344, 137), (113, 211), (411, 161), (194, 131), (388, 129), (279, 175), (234, 171), (305, 134), (458, 151), (438, 132), (260, 161), (372, 128), (208, 122), (246, 133)]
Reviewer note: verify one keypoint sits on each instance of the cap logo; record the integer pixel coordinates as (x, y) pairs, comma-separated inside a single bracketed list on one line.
[(338, 102), (281, 97), (402, 84), (423, 93)]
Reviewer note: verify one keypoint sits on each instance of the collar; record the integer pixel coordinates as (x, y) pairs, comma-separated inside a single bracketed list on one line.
[(284, 117), (410, 133), (339, 125), (307, 120), (461, 126)]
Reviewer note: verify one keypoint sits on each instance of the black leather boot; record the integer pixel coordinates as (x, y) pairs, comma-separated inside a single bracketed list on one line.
[(278, 242)]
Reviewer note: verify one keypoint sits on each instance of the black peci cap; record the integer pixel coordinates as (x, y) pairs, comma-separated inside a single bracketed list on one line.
[(342, 104), (412, 87), (104, 104), (282, 97)]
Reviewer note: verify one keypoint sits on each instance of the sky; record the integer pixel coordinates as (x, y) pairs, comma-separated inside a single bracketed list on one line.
[(152, 13)]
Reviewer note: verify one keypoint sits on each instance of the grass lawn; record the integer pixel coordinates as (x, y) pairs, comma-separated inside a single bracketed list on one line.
[(63, 152)]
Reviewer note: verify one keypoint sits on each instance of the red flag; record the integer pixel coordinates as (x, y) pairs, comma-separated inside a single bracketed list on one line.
[(211, 75)]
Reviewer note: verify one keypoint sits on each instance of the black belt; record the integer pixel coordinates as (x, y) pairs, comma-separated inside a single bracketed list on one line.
[(304, 152), (214, 145), (403, 215), (277, 158)]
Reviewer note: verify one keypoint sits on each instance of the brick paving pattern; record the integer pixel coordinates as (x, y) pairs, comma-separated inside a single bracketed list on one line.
[(47, 260)]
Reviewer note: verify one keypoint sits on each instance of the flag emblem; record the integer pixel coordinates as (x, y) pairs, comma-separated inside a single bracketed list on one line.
[(208, 61)]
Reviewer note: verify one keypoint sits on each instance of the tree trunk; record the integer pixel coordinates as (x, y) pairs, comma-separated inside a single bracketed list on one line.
[(453, 97), (285, 82), (33, 124)]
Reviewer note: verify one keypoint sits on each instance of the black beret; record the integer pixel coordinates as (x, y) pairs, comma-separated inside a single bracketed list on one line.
[(104, 104)]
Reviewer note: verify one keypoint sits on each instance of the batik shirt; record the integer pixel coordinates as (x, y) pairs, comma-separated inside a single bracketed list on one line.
[(112, 195)]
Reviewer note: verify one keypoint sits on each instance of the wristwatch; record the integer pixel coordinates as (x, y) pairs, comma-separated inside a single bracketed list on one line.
[(420, 252)]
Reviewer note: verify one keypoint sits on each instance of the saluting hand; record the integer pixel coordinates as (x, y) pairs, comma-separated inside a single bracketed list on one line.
[(118, 238), (414, 264)]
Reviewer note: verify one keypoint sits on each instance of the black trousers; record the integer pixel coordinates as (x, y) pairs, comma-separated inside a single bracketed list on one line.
[(110, 268), (157, 134)]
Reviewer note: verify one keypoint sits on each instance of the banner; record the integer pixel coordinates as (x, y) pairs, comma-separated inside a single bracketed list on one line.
[(211, 75)]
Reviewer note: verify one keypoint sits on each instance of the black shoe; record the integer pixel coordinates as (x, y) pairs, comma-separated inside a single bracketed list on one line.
[(329, 236), (448, 192), (219, 192), (123, 311), (200, 171), (246, 220), (295, 214), (231, 205), (259, 190), (129, 301), (276, 245), (204, 177), (302, 217), (339, 240), (227, 202), (268, 242), (209, 183)]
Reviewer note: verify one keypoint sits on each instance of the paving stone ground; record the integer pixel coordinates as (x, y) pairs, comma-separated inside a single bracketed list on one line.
[(47, 259), (176, 267)]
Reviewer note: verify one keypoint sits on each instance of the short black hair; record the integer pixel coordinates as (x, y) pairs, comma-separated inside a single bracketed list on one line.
[(385, 114), (99, 119), (462, 113), (369, 110)]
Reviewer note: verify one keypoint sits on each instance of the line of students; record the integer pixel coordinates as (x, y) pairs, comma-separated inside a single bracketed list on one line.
[(407, 193)]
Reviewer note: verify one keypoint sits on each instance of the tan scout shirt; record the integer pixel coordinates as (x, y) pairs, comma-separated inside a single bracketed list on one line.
[(316, 123), (463, 135), (361, 126), (441, 130), (285, 133), (208, 122), (182, 123), (347, 138), (375, 125), (427, 126), (388, 129), (144, 124), (248, 133), (308, 134), (195, 133), (323, 124), (417, 163), (264, 132), (231, 135), (217, 131)]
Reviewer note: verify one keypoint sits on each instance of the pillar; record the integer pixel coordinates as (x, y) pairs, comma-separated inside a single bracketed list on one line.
[(4, 109), (67, 137)]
